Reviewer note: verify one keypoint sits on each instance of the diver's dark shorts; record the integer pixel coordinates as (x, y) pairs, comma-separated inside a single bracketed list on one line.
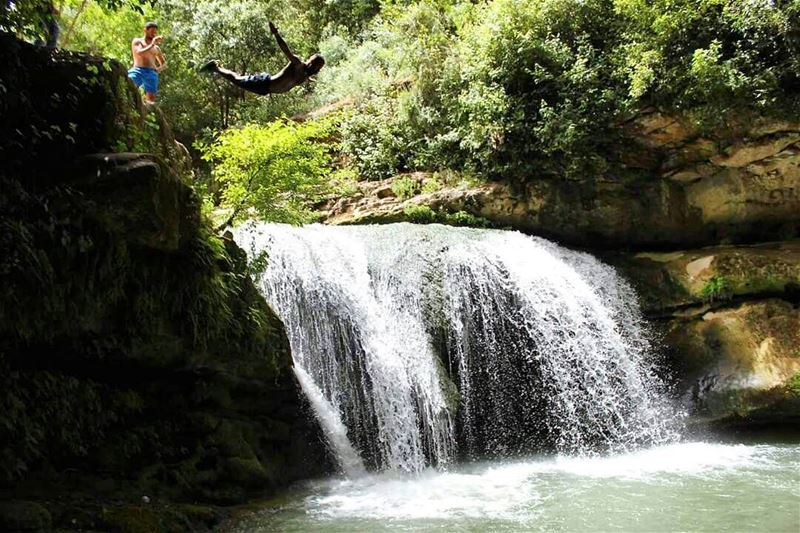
[(257, 83)]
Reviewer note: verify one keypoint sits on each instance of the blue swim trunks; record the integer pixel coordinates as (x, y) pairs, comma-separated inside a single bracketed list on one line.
[(145, 76)]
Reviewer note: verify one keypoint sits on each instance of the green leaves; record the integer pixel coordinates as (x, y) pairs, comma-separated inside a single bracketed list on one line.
[(520, 88), (511, 89), (273, 172)]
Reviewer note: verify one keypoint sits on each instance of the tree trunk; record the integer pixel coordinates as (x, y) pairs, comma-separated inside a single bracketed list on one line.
[(65, 41)]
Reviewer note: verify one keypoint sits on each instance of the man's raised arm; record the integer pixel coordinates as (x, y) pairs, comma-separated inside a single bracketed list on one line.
[(282, 44)]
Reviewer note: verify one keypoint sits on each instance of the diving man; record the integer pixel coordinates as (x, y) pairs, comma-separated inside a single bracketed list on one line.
[(293, 74)]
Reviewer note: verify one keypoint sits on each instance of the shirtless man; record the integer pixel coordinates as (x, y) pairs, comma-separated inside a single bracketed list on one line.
[(293, 74), (148, 61)]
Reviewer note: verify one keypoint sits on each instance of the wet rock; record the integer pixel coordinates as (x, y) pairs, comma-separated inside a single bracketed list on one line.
[(669, 280), (738, 363)]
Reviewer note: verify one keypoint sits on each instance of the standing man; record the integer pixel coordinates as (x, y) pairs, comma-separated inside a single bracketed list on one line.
[(148, 61)]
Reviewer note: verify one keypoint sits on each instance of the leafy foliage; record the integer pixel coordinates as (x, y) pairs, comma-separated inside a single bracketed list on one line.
[(423, 214), (274, 171), (717, 288), (29, 18), (794, 384), (503, 89), (405, 187), (516, 89), (103, 29)]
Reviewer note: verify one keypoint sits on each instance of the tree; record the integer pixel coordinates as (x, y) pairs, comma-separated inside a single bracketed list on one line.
[(25, 17), (273, 172)]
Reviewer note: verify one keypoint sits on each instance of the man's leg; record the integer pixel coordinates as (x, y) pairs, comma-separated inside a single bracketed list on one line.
[(256, 83), (150, 86), (229, 75)]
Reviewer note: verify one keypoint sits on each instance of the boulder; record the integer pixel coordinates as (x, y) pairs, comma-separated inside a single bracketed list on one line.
[(740, 364)]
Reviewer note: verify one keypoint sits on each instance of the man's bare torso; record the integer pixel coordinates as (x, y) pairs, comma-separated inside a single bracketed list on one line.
[(294, 73), (149, 59)]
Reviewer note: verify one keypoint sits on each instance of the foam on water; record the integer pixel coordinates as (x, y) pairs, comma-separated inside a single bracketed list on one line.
[(694, 486), (516, 491)]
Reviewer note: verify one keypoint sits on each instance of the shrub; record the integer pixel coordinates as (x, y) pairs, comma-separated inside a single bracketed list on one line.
[(516, 89), (423, 214), (432, 184), (405, 187), (420, 214), (794, 384), (717, 288), (462, 218), (273, 172)]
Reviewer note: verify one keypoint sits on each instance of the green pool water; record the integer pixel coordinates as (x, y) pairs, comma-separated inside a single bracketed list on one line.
[(690, 486)]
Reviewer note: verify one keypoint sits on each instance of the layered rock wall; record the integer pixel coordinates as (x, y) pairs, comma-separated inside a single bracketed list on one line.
[(730, 323), (672, 188)]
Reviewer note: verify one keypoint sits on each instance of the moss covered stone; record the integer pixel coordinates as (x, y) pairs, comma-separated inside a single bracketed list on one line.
[(668, 280), (136, 355)]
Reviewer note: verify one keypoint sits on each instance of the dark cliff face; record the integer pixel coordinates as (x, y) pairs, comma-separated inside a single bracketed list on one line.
[(136, 355)]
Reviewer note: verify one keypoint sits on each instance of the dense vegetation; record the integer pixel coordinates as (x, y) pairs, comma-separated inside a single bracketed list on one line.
[(502, 89)]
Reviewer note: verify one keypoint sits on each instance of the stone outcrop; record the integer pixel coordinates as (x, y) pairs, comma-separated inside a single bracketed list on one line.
[(711, 276), (730, 320), (672, 188), (137, 357), (737, 364)]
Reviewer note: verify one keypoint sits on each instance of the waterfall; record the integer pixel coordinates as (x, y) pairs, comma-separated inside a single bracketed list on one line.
[(349, 460), (431, 342)]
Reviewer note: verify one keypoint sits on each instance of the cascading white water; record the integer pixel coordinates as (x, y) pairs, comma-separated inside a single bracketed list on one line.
[(349, 460), (537, 328), (544, 345)]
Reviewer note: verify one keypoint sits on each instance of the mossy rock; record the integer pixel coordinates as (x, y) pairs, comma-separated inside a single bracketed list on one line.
[(24, 516), (668, 280), (145, 518), (245, 471), (739, 362), (137, 352)]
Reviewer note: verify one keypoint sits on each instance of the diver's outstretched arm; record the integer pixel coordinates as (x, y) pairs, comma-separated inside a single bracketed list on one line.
[(282, 44)]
